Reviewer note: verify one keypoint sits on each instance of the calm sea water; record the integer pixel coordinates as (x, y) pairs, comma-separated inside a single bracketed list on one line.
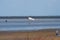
[(23, 25), (32, 26)]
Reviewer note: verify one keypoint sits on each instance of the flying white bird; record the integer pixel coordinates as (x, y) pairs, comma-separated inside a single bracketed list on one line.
[(30, 18)]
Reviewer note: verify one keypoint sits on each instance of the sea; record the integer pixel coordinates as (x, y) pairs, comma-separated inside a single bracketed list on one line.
[(25, 25)]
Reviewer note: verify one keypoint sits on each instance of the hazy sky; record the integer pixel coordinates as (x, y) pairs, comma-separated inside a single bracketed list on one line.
[(29, 7)]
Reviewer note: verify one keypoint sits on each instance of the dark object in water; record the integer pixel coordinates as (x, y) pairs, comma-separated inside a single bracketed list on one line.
[(5, 20)]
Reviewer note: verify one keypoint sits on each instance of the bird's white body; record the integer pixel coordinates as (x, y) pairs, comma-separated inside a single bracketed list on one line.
[(31, 18), (57, 31)]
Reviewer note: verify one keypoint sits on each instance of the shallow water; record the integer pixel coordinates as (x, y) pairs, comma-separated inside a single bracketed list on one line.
[(28, 26), (23, 25)]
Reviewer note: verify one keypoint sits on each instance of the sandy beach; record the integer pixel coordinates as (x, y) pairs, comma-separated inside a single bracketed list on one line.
[(48, 34)]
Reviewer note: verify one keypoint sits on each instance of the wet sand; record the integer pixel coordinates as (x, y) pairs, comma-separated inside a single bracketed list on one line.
[(48, 34)]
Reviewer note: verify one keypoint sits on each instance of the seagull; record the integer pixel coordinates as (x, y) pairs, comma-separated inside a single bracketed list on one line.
[(57, 33), (30, 18)]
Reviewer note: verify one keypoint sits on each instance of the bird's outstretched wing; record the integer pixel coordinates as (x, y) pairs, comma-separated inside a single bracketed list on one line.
[(30, 18)]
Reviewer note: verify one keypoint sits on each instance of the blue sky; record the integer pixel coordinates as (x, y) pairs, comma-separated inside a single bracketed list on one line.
[(29, 7)]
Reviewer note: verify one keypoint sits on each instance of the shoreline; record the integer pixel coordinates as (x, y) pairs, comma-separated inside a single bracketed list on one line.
[(30, 35)]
